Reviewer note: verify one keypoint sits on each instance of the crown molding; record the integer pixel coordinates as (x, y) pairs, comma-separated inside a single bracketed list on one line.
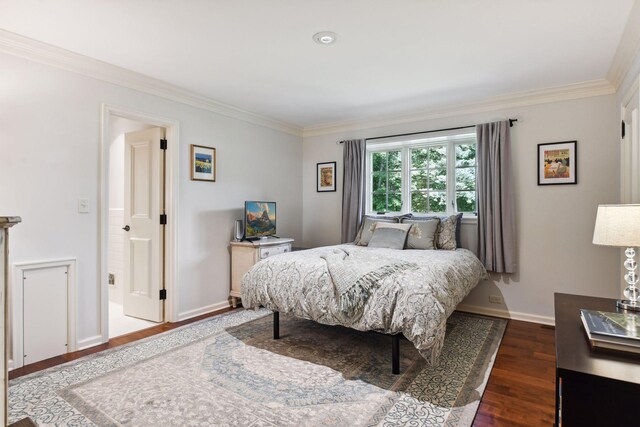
[(628, 48), (519, 99), (24, 47)]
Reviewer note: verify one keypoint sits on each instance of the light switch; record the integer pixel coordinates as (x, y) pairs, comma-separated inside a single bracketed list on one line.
[(83, 205)]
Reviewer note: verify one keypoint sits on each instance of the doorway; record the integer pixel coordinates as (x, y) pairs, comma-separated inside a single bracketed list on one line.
[(136, 237), (138, 221)]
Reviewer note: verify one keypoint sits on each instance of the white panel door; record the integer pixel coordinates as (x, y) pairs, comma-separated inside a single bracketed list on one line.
[(144, 236), (44, 312)]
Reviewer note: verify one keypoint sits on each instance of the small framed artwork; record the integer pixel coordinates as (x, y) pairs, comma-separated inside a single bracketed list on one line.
[(203, 163), (558, 163), (326, 177)]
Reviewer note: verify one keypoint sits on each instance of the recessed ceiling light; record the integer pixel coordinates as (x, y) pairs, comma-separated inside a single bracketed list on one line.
[(325, 37)]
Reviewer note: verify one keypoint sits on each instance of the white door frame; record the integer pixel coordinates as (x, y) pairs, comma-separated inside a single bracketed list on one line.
[(627, 163), (171, 206)]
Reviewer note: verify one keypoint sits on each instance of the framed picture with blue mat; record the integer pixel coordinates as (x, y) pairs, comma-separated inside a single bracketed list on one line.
[(203, 163)]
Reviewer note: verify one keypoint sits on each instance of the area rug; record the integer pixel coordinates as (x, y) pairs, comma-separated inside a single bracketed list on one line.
[(228, 370)]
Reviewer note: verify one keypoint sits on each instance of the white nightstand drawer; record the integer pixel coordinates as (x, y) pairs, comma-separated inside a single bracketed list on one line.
[(274, 250)]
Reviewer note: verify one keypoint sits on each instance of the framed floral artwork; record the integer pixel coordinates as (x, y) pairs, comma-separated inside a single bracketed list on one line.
[(558, 163), (326, 177)]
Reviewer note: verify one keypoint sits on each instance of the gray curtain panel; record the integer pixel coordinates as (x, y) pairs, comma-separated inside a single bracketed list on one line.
[(496, 214), (352, 188)]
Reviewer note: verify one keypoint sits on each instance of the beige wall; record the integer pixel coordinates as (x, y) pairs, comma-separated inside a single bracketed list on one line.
[(50, 144), (555, 223)]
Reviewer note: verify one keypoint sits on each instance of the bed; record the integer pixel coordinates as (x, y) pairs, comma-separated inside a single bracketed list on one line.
[(414, 301)]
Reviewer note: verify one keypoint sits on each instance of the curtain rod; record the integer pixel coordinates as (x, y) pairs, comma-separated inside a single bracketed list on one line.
[(511, 121)]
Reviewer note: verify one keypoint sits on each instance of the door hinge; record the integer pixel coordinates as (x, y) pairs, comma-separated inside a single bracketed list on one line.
[(163, 144), (622, 132), (163, 219), (163, 294)]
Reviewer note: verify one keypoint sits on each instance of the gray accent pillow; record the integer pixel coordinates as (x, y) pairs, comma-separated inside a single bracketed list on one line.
[(390, 236), (422, 234), (368, 226)]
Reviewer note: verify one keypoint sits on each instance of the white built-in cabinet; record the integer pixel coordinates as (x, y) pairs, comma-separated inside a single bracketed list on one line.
[(44, 300), (245, 254), (5, 224)]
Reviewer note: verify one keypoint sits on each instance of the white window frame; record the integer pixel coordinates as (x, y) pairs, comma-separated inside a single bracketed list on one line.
[(450, 140)]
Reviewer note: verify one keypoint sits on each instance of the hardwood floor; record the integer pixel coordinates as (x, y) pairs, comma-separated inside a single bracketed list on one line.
[(520, 391), (521, 388)]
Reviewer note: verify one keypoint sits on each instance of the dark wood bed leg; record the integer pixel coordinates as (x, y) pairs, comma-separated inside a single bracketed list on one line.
[(276, 325), (395, 354)]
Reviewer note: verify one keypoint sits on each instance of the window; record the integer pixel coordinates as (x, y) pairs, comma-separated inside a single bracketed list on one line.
[(429, 175)]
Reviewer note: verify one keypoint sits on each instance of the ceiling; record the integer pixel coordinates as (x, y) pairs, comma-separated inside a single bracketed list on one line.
[(391, 58)]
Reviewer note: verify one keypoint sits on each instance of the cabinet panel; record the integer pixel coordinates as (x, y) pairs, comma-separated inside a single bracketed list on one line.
[(44, 313), (274, 250)]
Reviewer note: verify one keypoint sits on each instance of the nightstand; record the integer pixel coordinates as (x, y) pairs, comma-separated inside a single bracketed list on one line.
[(593, 388), (245, 254)]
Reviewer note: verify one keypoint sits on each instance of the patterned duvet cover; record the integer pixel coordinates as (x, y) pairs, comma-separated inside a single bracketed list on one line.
[(415, 302)]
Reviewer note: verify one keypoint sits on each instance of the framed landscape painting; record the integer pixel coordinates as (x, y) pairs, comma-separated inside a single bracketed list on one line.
[(558, 163), (203, 163), (326, 177)]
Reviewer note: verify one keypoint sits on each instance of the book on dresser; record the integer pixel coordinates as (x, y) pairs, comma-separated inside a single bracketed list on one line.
[(613, 331)]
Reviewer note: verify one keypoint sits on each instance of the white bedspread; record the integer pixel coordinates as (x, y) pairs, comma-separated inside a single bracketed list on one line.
[(415, 302)]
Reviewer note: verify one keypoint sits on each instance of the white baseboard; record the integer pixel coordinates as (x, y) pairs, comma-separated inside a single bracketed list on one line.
[(10, 365), (203, 310), (506, 314), (89, 342)]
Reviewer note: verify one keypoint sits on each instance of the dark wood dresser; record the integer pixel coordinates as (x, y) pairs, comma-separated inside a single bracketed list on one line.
[(593, 387)]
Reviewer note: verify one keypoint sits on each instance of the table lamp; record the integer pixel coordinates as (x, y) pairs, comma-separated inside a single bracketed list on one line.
[(619, 225)]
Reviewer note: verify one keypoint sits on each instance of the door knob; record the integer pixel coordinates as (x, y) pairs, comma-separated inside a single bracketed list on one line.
[(126, 228)]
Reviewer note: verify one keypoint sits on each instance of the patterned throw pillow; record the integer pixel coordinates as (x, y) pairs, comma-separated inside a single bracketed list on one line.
[(447, 233), (423, 234), (367, 228), (442, 219), (391, 236)]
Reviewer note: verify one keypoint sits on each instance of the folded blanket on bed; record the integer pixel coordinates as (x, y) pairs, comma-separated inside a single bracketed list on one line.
[(356, 275)]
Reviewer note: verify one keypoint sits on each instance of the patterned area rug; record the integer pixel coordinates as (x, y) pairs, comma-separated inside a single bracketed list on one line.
[(228, 370)]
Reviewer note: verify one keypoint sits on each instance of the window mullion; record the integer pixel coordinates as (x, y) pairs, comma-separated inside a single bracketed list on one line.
[(405, 181), (369, 172), (386, 205), (451, 178)]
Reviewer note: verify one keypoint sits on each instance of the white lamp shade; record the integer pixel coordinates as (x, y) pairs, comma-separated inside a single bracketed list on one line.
[(617, 225)]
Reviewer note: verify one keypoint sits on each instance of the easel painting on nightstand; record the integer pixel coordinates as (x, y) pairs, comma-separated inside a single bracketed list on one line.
[(259, 220)]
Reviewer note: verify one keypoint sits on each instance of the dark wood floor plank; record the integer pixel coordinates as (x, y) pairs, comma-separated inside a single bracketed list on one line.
[(25, 422), (520, 390)]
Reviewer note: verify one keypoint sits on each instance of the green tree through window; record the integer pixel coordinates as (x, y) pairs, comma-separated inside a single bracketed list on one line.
[(386, 181), (466, 177), (439, 176), (429, 179)]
